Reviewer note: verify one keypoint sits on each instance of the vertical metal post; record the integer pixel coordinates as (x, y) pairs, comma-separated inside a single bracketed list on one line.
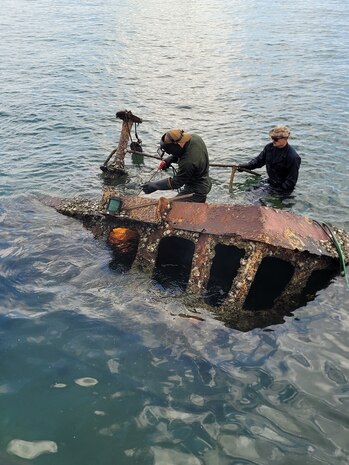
[(115, 165), (233, 171)]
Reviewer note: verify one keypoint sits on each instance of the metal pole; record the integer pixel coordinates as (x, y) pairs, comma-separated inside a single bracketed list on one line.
[(233, 171), (115, 165)]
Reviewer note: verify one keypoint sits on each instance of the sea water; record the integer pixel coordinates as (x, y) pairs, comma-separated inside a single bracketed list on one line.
[(97, 365)]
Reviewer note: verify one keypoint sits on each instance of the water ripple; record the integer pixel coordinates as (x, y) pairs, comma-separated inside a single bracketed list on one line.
[(170, 389)]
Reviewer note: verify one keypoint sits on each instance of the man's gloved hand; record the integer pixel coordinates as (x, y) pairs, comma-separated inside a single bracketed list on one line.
[(163, 165), (149, 187), (166, 162), (240, 168), (162, 185)]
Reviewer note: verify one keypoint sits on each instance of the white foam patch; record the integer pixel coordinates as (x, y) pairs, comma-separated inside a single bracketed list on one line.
[(99, 413), (165, 456), (59, 385), (5, 389), (30, 450), (197, 400), (86, 382), (36, 340), (113, 366)]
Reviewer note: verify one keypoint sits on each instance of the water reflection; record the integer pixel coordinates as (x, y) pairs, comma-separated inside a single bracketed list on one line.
[(170, 390)]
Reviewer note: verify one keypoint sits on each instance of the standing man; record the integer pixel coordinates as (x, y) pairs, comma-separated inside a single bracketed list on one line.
[(190, 152), (281, 160)]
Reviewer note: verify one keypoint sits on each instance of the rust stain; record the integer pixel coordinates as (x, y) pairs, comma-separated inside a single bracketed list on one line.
[(266, 225), (292, 231), (294, 239), (274, 227)]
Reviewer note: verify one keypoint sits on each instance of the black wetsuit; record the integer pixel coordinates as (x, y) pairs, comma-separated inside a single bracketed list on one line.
[(282, 166)]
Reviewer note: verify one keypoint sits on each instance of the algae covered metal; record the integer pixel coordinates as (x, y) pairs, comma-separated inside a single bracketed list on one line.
[(249, 264)]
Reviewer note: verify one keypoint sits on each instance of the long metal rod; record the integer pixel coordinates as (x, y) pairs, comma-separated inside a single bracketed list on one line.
[(215, 165), (144, 154), (237, 168)]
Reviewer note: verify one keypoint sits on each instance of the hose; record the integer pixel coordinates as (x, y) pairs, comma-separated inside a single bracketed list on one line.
[(330, 233), (174, 174)]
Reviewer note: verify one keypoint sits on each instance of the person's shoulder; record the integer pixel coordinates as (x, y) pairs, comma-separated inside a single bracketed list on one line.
[(292, 151), (196, 138), (196, 143), (269, 148)]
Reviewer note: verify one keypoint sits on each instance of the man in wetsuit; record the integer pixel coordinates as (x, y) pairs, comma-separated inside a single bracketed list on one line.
[(190, 152), (281, 160)]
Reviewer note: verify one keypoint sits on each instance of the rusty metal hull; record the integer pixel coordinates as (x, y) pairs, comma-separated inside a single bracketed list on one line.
[(251, 265)]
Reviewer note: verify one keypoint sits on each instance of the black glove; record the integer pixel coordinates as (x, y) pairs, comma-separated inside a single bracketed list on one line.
[(241, 167), (162, 185), (149, 187)]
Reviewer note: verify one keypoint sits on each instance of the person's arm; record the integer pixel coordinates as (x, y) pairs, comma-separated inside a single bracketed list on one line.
[(292, 177), (167, 162), (162, 185), (256, 162), (184, 174)]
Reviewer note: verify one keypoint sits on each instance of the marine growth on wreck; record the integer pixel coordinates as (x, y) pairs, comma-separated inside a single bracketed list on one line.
[(250, 265)]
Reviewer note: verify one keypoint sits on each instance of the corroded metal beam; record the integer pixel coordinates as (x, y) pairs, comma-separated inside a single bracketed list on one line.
[(115, 165)]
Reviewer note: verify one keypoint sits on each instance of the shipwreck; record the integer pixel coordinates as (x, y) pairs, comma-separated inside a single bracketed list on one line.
[(250, 265)]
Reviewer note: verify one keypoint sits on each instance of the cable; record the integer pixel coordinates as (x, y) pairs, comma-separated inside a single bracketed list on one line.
[(330, 233), (174, 174), (153, 175)]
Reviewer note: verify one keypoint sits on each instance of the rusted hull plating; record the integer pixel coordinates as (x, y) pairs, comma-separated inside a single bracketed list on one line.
[(251, 265)]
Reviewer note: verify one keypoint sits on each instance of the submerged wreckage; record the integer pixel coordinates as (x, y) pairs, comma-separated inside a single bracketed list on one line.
[(250, 264)]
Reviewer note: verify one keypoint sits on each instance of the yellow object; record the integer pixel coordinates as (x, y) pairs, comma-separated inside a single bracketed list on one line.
[(176, 135), (124, 239)]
